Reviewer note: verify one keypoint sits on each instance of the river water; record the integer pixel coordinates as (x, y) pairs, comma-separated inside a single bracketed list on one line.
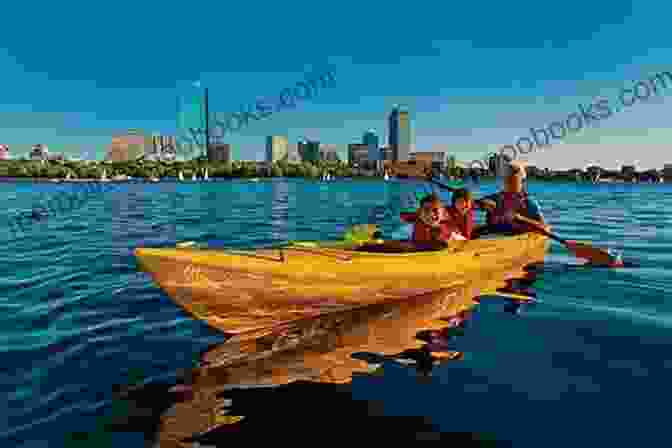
[(589, 364)]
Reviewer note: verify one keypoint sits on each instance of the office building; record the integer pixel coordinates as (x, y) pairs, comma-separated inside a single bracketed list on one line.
[(400, 134), (434, 158), (358, 154), (4, 152), (370, 139), (163, 147), (328, 152), (293, 155), (309, 150), (129, 147), (219, 152), (277, 148), (39, 152), (386, 153)]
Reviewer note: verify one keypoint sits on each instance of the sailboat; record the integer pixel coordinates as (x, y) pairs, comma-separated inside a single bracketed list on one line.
[(193, 177), (205, 175), (386, 177), (180, 176)]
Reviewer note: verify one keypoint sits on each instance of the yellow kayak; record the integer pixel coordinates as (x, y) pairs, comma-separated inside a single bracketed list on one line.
[(240, 291)]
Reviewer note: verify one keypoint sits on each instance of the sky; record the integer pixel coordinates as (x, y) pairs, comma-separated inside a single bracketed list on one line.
[(474, 76)]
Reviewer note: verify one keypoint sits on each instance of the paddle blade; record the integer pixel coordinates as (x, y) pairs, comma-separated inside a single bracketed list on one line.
[(594, 255)]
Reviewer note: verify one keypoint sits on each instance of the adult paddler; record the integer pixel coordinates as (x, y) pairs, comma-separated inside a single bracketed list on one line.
[(513, 199)]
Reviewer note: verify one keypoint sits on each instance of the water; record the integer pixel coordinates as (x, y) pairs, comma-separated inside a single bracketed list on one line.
[(587, 365)]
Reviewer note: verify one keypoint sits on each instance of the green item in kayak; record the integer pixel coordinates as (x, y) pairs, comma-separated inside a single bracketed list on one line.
[(361, 233)]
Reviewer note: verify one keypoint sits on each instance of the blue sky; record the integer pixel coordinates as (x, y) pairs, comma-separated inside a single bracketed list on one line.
[(475, 76)]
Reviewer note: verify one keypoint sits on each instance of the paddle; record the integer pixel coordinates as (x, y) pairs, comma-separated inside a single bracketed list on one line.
[(456, 185), (594, 255)]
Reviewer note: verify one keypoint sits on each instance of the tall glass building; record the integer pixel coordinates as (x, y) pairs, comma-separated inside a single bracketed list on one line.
[(370, 139), (400, 134), (190, 114)]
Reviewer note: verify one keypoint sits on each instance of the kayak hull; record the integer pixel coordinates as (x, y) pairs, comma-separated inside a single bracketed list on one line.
[(237, 291)]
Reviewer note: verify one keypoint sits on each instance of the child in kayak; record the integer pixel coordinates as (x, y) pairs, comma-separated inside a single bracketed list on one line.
[(435, 222), (459, 217)]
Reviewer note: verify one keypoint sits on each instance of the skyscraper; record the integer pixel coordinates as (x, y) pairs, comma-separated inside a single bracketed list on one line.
[(370, 139), (277, 148), (309, 150), (400, 134)]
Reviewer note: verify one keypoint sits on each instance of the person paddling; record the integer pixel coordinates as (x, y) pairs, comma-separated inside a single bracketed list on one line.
[(504, 205)]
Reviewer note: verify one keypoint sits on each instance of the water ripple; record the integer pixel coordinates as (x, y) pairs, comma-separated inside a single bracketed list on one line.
[(77, 316)]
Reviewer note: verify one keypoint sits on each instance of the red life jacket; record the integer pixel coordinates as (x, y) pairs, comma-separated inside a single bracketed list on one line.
[(463, 224), (515, 202), (422, 232)]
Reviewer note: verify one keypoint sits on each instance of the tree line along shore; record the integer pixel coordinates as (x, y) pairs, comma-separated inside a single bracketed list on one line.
[(29, 170)]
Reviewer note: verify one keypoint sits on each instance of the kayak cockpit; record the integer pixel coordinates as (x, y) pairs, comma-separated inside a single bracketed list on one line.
[(377, 246)]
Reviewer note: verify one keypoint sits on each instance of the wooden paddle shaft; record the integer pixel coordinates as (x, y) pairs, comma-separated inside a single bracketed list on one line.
[(536, 225)]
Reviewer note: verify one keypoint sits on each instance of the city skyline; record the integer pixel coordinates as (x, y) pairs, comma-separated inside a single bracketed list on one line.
[(468, 93)]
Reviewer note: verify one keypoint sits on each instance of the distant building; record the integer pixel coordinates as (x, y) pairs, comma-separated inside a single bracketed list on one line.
[(370, 139), (434, 158), (328, 152), (39, 152), (129, 147), (277, 148), (667, 172), (309, 150), (358, 154), (400, 134), (386, 153), (293, 155), (219, 152), (163, 147), (4, 152)]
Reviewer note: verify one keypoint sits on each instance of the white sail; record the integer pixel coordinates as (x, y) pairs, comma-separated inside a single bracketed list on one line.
[(180, 175), (205, 175)]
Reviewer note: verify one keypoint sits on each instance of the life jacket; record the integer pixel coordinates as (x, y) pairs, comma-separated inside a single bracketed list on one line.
[(462, 224), (515, 202), (424, 233)]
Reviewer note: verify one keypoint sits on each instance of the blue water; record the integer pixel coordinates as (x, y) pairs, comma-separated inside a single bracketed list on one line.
[(588, 365)]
